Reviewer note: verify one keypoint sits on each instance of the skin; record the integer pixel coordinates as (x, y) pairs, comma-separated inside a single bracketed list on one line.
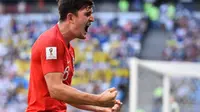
[(115, 108), (75, 27)]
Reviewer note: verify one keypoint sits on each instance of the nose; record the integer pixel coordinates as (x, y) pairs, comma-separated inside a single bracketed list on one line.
[(91, 19)]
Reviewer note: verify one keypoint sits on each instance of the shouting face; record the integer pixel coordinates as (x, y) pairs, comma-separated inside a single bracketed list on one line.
[(82, 22)]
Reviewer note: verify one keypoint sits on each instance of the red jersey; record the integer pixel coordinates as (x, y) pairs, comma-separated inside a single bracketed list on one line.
[(49, 54)]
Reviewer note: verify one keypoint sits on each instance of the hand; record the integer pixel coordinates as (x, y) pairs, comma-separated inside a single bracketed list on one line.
[(107, 98), (115, 108)]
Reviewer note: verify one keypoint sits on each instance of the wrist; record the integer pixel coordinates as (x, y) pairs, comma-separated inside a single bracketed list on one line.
[(100, 109), (92, 98), (96, 100)]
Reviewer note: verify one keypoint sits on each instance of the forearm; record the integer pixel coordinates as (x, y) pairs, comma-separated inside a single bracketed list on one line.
[(89, 108), (65, 93), (73, 96)]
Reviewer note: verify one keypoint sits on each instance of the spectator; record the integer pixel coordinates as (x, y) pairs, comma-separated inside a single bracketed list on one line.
[(106, 50), (174, 106)]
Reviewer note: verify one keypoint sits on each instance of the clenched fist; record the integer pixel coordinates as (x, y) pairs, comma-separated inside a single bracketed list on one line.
[(115, 108), (107, 98)]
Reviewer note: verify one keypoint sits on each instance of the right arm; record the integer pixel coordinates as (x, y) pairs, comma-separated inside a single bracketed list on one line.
[(53, 74), (70, 95)]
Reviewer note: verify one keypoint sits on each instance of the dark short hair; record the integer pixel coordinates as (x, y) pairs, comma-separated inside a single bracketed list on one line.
[(71, 6)]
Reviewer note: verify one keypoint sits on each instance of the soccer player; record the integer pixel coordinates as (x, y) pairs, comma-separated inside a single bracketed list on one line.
[(52, 65)]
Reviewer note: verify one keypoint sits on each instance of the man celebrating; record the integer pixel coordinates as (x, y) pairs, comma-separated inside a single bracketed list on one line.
[(52, 66)]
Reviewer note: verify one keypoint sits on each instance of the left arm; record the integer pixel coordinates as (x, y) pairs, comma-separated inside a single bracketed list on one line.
[(89, 108), (115, 108)]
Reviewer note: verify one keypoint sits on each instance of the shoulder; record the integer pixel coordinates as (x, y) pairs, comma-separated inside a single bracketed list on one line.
[(48, 38)]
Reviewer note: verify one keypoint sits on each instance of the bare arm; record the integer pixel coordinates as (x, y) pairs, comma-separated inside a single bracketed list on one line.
[(115, 108), (90, 108), (70, 95)]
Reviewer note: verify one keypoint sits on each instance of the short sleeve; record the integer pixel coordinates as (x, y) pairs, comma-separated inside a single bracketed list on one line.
[(52, 57)]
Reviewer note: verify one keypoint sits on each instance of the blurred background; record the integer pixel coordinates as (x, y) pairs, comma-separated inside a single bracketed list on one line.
[(146, 29)]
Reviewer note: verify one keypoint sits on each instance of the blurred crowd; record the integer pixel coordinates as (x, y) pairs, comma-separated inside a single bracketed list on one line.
[(101, 59), (184, 42), (182, 45)]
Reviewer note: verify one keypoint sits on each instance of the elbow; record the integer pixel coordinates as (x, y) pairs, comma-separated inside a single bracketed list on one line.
[(53, 95), (54, 92), (58, 92)]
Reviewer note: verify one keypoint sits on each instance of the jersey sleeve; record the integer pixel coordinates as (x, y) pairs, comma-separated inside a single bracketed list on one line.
[(52, 56)]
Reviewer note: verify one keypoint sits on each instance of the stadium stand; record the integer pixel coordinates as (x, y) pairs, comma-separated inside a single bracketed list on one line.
[(100, 60)]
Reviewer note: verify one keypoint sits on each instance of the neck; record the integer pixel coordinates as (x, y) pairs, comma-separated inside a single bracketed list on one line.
[(66, 32)]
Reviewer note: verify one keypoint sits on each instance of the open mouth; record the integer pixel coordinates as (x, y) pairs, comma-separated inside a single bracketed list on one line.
[(87, 26)]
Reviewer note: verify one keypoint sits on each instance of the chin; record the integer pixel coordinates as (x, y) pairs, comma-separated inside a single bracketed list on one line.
[(82, 37)]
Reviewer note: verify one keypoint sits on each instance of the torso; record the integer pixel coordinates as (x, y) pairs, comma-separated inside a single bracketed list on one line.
[(38, 96)]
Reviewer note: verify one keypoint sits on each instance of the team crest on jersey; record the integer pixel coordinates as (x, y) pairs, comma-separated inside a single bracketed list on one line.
[(51, 53)]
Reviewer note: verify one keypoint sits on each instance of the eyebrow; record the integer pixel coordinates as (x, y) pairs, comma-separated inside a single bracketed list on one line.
[(89, 9)]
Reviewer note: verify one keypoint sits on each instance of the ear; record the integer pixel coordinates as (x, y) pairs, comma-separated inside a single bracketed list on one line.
[(71, 18)]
